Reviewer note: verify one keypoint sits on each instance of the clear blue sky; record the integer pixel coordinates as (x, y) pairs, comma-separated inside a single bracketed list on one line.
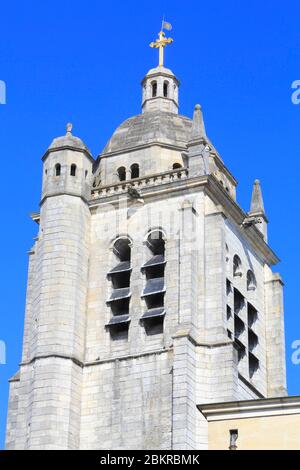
[(83, 62)]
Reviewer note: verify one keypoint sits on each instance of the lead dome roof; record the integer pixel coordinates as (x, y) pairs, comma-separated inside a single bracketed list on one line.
[(150, 127)]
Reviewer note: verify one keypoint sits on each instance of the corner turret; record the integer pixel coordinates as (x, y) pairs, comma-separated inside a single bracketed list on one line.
[(68, 167)]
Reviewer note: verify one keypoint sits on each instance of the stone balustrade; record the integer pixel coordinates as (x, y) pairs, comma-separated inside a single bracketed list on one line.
[(140, 183)]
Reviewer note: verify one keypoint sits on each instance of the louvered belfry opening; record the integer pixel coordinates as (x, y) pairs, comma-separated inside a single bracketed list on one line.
[(119, 300), (154, 291)]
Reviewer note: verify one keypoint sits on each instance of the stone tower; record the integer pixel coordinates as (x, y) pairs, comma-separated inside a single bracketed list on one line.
[(150, 290)]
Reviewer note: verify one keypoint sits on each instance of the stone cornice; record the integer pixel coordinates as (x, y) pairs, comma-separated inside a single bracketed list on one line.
[(219, 195), (68, 147), (159, 73), (178, 148), (83, 364), (261, 407), (64, 193)]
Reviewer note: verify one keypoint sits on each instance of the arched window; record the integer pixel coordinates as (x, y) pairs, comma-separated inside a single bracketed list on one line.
[(122, 249), (135, 171), (166, 89), (154, 291), (57, 169), (156, 242), (119, 300), (73, 170), (237, 266), (251, 281), (121, 173), (154, 89), (176, 166)]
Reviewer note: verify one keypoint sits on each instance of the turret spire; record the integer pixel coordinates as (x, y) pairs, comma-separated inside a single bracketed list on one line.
[(257, 203), (198, 150), (198, 128), (257, 210)]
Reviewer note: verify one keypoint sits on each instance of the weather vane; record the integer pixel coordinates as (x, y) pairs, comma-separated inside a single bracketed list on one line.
[(162, 41)]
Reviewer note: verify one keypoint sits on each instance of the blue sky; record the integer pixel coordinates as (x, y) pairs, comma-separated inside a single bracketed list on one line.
[(83, 62)]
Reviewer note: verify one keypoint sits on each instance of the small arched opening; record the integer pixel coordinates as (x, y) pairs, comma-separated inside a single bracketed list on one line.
[(57, 169), (121, 173), (155, 288), (156, 242), (251, 281), (135, 171), (122, 249), (176, 166), (166, 89), (73, 170), (154, 89), (237, 266)]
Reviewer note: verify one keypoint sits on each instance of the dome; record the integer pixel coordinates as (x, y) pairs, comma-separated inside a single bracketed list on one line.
[(68, 140), (160, 70), (150, 128)]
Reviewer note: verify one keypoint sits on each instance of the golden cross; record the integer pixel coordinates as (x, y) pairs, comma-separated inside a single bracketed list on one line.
[(160, 44)]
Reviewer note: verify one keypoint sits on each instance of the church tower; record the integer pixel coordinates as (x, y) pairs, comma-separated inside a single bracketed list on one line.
[(150, 290)]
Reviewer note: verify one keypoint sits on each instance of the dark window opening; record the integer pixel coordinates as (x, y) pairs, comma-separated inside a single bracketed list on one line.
[(233, 438), (121, 173), (154, 89), (227, 252), (155, 300), (237, 266), (253, 365), (120, 307), (57, 169), (239, 327), (122, 249), (155, 271), (156, 243), (251, 281), (241, 350), (135, 171), (252, 315), (154, 326), (121, 280), (166, 89), (118, 327), (120, 297), (177, 166), (252, 340), (86, 173), (153, 294), (73, 170), (228, 312), (239, 301)]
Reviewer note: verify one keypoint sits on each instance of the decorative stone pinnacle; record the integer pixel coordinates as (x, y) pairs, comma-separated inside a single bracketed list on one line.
[(257, 204), (198, 128)]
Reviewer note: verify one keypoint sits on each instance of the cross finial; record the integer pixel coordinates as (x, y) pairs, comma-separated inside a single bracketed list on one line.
[(160, 44), (69, 128)]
